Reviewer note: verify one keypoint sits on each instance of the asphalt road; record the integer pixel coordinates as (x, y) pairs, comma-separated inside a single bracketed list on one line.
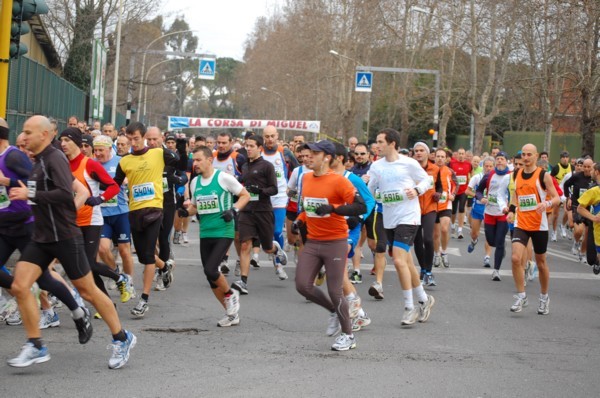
[(472, 345)]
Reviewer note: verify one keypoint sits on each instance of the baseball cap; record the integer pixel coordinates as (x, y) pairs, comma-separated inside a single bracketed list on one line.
[(170, 138), (322, 146), (564, 154)]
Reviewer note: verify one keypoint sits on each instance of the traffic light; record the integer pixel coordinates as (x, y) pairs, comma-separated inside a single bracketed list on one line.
[(23, 11)]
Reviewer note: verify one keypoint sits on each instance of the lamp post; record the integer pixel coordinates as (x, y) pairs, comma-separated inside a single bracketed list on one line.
[(280, 96), (337, 54), (113, 113), (146, 85)]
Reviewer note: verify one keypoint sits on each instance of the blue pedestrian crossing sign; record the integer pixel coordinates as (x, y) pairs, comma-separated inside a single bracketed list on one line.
[(207, 68), (363, 82)]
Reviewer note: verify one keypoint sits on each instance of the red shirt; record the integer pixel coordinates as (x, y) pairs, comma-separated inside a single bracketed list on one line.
[(462, 170)]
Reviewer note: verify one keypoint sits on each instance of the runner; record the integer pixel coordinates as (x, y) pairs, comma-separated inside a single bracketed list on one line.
[(591, 199), (528, 207), (326, 198), (492, 191), (462, 167), (256, 219), (212, 198), (143, 169), (576, 186), (56, 235), (478, 210), (441, 236), (562, 168), (400, 181)]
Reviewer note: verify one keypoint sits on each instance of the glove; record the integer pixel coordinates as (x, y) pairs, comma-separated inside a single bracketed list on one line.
[(436, 196), (228, 215), (253, 189), (352, 222), (94, 201), (183, 213), (291, 193), (323, 210), (296, 225), (181, 144)]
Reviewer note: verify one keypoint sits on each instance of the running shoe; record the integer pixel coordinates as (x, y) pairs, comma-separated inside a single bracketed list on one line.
[(373, 270), (437, 260), (238, 269), (97, 315), (596, 269), (279, 256), (240, 286), (445, 260), (125, 288), (429, 280), (496, 275), (344, 342), (84, 328), (356, 278), (29, 355), (519, 304), (120, 351), (159, 286), (376, 291), (111, 285), (49, 320), (224, 268), (360, 322), (140, 309), (320, 277), (184, 237), (569, 233), (354, 306), (9, 307), (410, 316), (177, 238), (531, 270), (232, 302), (54, 301), (229, 320), (425, 308), (574, 248), (167, 274), (472, 245), (460, 235), (487, 262), (14, 319), (563, 231), (254, 263), (280, 272), (334, 326), (544, 307), (553, 236)]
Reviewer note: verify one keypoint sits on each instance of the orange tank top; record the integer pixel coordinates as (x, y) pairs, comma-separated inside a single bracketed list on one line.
[(529, 193)]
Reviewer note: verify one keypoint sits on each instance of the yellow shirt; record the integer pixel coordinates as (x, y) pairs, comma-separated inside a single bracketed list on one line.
[(145, 178), (591, 197)]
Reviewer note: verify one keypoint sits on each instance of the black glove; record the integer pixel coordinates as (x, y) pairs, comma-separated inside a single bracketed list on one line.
[(352, 222), (253, 189), (296, 225), (94, 201), (436, 196), (183, 213), (228, 215), (323, 210), (291, 193), (181, 144)]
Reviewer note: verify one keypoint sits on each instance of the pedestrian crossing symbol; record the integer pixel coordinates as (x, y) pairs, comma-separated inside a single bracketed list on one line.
[(207, 68), (363, 82)]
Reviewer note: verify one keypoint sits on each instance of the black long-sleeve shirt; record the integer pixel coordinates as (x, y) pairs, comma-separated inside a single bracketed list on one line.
[(260, 173)]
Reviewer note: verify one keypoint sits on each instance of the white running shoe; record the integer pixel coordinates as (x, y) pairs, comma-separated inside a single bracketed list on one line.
[(49, 320), (553, 236), (334, 325), (496, 275), (229, 320), (344, 342), (280, 272), (232, 303), (29, 355), (185, 238), (544, 307), (410, 316), (354, 306), (425, 308), (519, 304)]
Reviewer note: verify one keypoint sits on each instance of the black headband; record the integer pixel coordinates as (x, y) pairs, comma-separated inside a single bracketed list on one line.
[(4, 131)]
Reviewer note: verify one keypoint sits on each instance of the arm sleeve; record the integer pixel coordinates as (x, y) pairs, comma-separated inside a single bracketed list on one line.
[(355, 203), (173, 159), (63, 183), (554, 171), (19, 163), (481, 187), (119, 175), (239, 161), (293, 182), (271, 188), (566, 186), (97, 172), (364, 192), (373, 182)]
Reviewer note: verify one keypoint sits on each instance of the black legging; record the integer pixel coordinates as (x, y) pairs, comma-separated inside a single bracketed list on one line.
[(591, 254), (164, 244), (212, 251), (424, 241), (91, 240), (495, 236)]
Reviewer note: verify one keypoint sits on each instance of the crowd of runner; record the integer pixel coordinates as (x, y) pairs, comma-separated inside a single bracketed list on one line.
[(72, 203)]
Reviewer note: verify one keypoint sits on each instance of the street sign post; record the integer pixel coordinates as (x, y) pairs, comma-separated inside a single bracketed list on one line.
[(207, 68), (363, 82)]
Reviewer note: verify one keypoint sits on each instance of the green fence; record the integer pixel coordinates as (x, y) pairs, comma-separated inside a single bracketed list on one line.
[(34, 89), (571, 142)]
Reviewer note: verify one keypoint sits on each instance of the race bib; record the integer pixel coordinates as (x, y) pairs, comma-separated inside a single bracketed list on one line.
[(493, 199), (311, 204), (294, 198), (165, 185), (4, 201), (527, 202), (253, 197), (582, 191), (31, 190), (207, 204), (279, 172), (443, 197), (378, 195), (462, 180), (431, 182), (392, 197), (112, 202), (142, 192)]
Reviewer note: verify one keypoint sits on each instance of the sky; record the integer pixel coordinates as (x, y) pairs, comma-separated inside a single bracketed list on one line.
[(222, 25)]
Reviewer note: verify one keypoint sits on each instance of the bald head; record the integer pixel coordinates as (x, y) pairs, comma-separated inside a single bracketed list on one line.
[(529, 155), (3, 123), (37, 133), (153, 137), (270, 137)]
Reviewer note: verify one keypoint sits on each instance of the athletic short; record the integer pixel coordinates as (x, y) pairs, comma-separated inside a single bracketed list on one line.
[(462, 201), (577, 218), (376, 231), (117, 227), (353, 239), (291, 215), (403, 236), (257, 224), (470, 201), (441, 214), (477, 211), (538, 238), (145, 228), (493, 220), (70, 253)]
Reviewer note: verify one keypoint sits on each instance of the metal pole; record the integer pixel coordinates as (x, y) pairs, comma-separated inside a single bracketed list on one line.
[(146, 85), (5, 25), (472, 133), (129, 94), (368, 117), (113, 113)]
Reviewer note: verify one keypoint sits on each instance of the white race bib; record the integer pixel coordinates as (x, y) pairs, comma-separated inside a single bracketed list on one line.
[(392, 197), (253, 197), (207, 204), (462, 180), (527, 202), (165, 185), (142, 192), (311, 204), (4, 201)]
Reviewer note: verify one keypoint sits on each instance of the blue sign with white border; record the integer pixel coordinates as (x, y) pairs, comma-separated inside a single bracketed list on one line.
[(363, 82), (207, 68)]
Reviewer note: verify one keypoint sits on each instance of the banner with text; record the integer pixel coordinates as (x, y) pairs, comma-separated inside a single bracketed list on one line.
[(181, 122)]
